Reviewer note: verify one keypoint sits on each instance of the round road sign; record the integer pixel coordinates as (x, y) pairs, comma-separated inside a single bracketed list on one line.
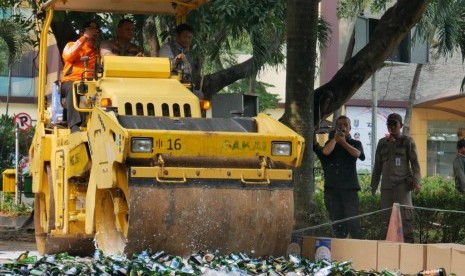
[(23, 121)]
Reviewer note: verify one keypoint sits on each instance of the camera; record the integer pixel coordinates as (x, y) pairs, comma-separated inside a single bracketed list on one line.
[(339, 131)]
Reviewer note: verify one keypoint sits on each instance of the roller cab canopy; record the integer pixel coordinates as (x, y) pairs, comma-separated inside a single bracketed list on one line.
[(177, 8)]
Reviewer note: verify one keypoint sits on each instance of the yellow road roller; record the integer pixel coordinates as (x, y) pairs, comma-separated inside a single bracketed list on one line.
[(148, 171)]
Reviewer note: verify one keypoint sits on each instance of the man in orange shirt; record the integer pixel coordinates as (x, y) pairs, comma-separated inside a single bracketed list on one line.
[(74, 68)]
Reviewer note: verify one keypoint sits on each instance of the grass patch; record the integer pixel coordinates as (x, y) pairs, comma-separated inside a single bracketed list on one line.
[(8, 207)]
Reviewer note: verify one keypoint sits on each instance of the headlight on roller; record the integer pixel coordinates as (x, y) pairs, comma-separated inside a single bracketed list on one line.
[(281, 148), (141, 144)]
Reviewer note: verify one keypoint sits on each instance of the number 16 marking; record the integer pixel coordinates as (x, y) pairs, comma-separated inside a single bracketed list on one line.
[(174, 145)]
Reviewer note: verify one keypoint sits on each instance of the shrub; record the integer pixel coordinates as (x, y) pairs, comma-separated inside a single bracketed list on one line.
[(431, 226), (438, 226), (8, 207)]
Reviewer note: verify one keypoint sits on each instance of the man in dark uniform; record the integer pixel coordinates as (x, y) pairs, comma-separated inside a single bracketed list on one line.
[(396, 163), (338, 158)]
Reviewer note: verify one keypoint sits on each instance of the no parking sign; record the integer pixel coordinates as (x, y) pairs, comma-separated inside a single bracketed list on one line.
[(23, 121)]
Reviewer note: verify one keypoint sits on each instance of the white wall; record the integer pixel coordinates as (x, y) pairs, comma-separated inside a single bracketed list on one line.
[(361, 124), (16, 108)]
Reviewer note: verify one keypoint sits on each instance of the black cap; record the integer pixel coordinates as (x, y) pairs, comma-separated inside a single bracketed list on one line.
[(183, 28), (394, 117), (461, 143), (90, 24)]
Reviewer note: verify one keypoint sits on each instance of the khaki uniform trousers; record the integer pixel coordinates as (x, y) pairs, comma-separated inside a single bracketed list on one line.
[(400, 194)]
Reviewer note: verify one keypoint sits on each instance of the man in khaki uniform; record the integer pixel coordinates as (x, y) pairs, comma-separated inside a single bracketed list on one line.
[(396, 163)]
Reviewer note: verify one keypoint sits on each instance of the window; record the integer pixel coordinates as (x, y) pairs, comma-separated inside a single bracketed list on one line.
[(150, 109), (165, 110), (139, 109), (442, 146), (187, 110), (176, 110)]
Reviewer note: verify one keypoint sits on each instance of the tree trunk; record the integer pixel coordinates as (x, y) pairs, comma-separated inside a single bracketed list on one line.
[(214, 82), (253, 83), (411, 99), (302, 17), (150, 36), (8, 93)]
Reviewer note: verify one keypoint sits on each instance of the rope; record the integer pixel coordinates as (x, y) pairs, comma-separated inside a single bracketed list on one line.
[(372, 213), (339, 221), (433, 209)]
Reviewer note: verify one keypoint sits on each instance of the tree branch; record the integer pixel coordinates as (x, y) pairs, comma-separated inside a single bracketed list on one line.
[(391, 29), (213, 83)]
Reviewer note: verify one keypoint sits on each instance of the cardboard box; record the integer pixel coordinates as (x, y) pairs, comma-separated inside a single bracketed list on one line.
[(412, 258), (308, 247), (313, 246), (362, 253), (438, 256), (457, 260), (388, 255), (379, 255)]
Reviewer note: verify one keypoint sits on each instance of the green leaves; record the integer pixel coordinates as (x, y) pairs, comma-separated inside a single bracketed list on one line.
[(225, 26), (324, 34), (11, 39), (16, 30), (9, 207), (7, 147), (443, 25), (266, 100), (431, 226), (354, 8)]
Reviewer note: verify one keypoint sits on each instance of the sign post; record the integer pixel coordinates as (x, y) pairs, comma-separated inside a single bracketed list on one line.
[(23, 122), (17, 190)]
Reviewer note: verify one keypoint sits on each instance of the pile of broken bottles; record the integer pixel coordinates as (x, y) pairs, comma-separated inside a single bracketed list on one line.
[(160, 263)]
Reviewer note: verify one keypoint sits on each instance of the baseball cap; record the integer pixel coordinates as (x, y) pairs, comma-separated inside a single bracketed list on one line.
[(394, 117), (461, 143), (90, 24), (184, 27)]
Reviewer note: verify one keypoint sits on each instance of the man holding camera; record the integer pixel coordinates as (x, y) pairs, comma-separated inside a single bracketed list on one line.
[(338, 159)]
